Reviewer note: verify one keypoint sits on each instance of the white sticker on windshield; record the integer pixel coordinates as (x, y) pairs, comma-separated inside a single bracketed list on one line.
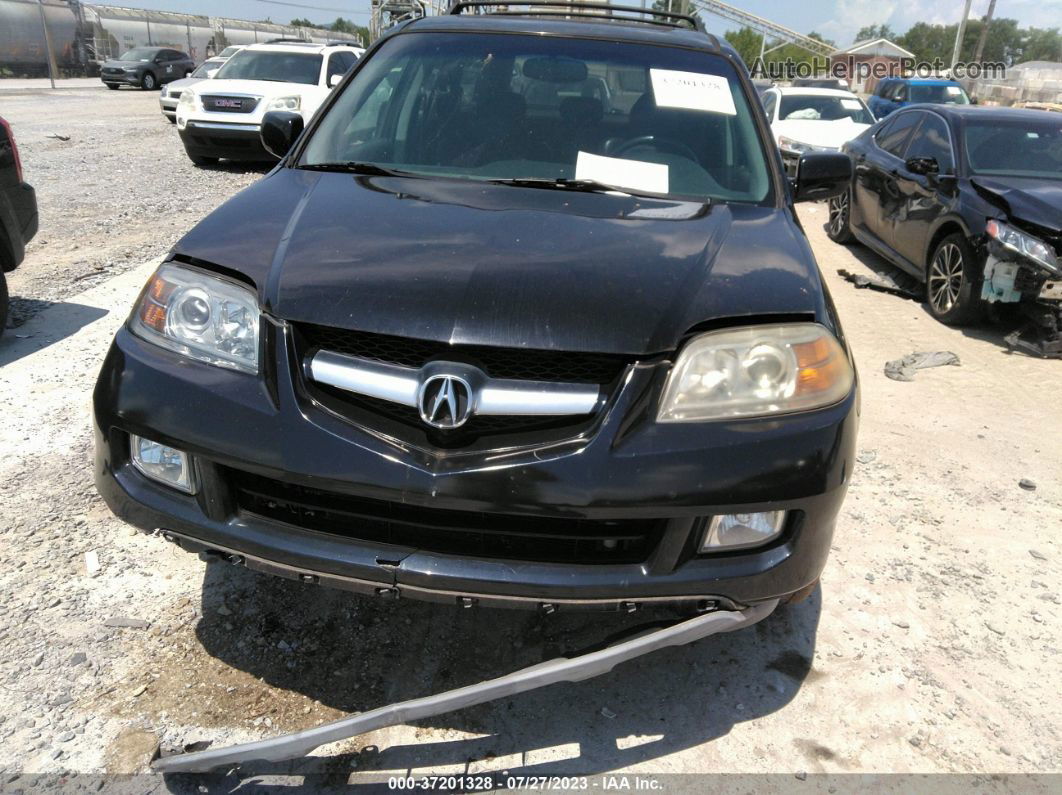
[(851, 104), (631, 174), (953, 90), (692, 91)]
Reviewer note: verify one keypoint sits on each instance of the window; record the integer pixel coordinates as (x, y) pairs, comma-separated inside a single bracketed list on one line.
[(277, 65), (823, 107), (939, 95), (503, 107), (932, 140), (893, 136), (339, 63), (769, 101), (1020, 147)]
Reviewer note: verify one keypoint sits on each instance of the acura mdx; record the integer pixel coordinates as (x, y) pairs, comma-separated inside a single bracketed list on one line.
[(523, 317)]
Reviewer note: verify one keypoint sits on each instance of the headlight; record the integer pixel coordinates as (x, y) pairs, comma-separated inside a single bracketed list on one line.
[(187, 100), (204, 317), (285, 103), (756, 371), (1026, 245)]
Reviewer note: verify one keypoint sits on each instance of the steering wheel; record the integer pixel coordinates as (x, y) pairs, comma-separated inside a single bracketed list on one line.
[(660, 144)]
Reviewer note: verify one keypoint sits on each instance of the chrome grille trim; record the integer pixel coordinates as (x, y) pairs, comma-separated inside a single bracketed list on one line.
[(490, 396)]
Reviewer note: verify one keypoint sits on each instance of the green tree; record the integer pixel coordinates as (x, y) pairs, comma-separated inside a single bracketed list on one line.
[(1039, 44), (871, 32), (747, 42), (302, 23)]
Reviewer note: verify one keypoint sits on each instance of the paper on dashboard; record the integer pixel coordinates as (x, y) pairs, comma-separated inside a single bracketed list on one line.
[(692, 91), (621, 173)]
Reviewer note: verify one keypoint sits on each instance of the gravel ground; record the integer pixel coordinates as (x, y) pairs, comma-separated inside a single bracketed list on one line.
[(932, 645), (110, 197)]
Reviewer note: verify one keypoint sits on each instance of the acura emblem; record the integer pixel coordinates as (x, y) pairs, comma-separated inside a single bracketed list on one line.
[(445, 401)]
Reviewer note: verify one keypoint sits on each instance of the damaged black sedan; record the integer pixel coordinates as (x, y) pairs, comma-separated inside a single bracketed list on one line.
[(968, 200), (523, 318)]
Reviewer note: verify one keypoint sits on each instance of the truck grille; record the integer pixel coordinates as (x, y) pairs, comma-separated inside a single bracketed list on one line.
[(223, 104), (475, 534)]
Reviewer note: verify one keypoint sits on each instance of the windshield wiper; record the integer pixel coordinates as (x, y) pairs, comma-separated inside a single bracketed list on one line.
[(354, 167), (562, 183)]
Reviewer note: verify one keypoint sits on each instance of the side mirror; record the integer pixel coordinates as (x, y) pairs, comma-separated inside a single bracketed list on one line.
[(922, 165), (334, 80), (822, 175), (280, 128)]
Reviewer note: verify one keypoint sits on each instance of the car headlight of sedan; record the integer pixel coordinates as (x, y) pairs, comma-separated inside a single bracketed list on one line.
[(1021, 243), (204, 317), (285, 103), (756, 371)]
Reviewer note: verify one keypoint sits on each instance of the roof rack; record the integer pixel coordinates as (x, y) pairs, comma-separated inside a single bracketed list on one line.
[(580, 9)]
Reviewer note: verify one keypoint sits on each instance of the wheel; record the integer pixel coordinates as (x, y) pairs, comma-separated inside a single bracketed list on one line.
[(148, 82), (838, 228), (3, 303), (113, 86), (201, 161), (953, 282)]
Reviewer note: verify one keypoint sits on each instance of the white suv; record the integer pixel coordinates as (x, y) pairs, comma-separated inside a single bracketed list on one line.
[(222, 117)]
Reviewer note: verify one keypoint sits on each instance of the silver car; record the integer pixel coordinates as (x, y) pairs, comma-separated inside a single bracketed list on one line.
[(171, 92)]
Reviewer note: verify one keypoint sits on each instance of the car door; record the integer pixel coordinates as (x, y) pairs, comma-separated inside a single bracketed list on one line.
[(876, 167), (923, 197), (166, 66)]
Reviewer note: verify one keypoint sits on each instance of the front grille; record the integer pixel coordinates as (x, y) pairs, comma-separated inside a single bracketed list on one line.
[(474, 534), (223, 104), (519, 363)]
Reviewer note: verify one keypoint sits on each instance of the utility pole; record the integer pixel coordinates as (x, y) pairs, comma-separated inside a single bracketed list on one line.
[(959, 35), (984, 32), (48, 44)]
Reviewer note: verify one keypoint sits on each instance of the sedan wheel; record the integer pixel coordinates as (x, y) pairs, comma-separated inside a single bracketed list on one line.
[(952, 282), (148, 82), (838, 227)]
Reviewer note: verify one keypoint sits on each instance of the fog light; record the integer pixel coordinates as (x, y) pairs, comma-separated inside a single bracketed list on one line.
[(164, 464), (738, 530)]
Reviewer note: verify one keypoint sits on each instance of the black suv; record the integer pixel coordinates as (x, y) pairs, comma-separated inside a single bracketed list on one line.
[(524, 318), (146, 67), (18, 213)]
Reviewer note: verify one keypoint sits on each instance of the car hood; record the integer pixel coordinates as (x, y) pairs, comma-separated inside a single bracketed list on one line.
[(183, 83), (473, 263), (1037, 201), (122, 64), (259, 88), (817, 132)]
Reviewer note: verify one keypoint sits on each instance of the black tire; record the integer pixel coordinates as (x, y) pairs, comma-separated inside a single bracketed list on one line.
[(838, 225), (953, 282), (148, 82), (113, 86), (202, 162), (3, 304)]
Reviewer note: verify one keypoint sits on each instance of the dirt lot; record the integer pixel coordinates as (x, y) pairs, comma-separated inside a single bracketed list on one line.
[(932, 646)]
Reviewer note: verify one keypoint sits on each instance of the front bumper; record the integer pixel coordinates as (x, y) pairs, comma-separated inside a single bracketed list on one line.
[(168, 106), (123, 79), (270, 427), (233, 141), (18, 215)]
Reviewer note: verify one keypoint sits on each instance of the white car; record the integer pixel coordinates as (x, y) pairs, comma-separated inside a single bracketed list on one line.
[(813, 120), (171, 92), (223, 118)]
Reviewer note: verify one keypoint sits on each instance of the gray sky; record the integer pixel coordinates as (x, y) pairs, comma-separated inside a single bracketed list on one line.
[(835, 19)]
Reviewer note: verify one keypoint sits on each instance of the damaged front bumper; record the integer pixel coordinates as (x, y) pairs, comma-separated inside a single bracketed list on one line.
[(1011, 279)]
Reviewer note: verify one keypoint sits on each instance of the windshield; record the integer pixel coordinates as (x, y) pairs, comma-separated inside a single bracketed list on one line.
[(823, 108), (228, 52), (281, 67), (139, 54), (939, 95), (658, 120), (1019, 148), (204, 69)]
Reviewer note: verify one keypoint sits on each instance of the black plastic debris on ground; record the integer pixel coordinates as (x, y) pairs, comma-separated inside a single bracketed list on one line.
[(904, 369), (881, 283)]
